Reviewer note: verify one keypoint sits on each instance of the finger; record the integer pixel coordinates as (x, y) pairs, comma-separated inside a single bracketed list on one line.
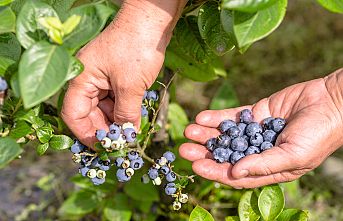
[(212, 118), (106, 105), (77, 107), (200, 133), (127, 106), (211, 170), (274, 160), (193, 152)]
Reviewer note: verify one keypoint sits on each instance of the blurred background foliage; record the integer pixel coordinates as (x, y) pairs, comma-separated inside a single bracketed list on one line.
[(307, 45)]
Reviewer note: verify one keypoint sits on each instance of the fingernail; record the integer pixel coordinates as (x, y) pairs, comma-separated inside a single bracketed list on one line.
[(243, 173)]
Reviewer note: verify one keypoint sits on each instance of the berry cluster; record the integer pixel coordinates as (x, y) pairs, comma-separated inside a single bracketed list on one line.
[(118, 136), (149, 98), (90, 164), (127, 165), (244, 138), (3, 84)]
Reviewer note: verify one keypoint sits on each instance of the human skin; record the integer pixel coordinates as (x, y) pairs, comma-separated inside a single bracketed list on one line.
[(119, 65), (313, 112)]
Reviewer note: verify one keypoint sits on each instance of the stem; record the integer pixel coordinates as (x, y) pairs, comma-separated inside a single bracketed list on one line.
[(17, 106)]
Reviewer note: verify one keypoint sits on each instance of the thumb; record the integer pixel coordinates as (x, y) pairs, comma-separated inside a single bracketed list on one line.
[(127, 106)]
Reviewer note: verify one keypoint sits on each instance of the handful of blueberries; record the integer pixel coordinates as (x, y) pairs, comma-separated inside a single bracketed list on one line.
[(246, 137)]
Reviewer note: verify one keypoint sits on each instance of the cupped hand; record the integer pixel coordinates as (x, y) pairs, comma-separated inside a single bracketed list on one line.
[(313, 131)]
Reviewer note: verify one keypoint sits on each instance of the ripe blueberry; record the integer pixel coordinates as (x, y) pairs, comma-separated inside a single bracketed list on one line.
[(170, 188), (277, 124), (256, 139), (236, 156), (253, 128), (100, 134), (221, 155), (121, 175), (266, 145), (137, 163), (239, 144), (224, 140), (270, 136), (171, 177), (169, 156), (246, 116), (252, 150), (130, 134), (225, 125), (153, 173), (234, 132)]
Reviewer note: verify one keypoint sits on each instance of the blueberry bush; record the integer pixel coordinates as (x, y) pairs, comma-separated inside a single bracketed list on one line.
[(137, 175)]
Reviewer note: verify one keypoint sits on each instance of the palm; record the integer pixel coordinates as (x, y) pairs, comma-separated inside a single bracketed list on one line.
[(311, 134)]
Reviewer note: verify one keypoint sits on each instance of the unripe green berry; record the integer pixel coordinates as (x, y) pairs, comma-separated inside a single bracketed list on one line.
[(129, 172), (176, 205), (157, 181), (183, 198), (101, 174), (106, 142), (91, 173)]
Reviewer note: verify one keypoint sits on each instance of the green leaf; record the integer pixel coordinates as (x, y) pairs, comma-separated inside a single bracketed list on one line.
[(78, 204), (75, 68), (188, 39), (200, 214), (271, 202), (293, 215), (178, 121), (44, 133), (20, 129), (5, 2), (5, 65), (7, 18), (247, 5), (251, 27), (62, 7), (117, 208), (41, 148), (9, 149), (10, 47), (60, 142), (232, 218), (42, 72), (71, 23), (247, 207), (332, 5), (93, 20), (140, 191), (211, 29), (28, 29), (225, 97)]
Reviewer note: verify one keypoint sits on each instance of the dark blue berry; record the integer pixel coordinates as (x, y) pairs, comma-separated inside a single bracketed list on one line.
[(211, 144), (3, 84), (84, 170), (152, 95), (233, 132), (98, 181), (122, 176), (145, 95), (119, 161), (95, 162), (221, 155), (252, 150), (241, 127), (277, 124), (266, 122), (169, 156), (170, 188), (137, 163), (77, 147), (132, 155), (253, 128), (100, 134), (105, 165), (171, 177), (246, 116), (153, 173), (165, 169), (256, 139), (269, 136), (224, 140), (266, 145), (130, 135), (114, 132), (144, 111), (236, 156), (225, 125), (239, 144)]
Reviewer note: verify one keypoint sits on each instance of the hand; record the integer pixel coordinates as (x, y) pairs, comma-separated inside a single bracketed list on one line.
[(120, 64), (313, 131)]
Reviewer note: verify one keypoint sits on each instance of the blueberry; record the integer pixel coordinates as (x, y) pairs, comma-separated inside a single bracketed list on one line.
[(256, 139), (121, 175), (114, 133), (165, 169), (98, 181), (100, 134), (85, 159), (246, 116), (241, 127), (171, 176), (170, 188), (119, 161), (221, 155), (84, 171), (77, 147), (269, 136), (253, 128), (252, 150), (145, 95), (145, 178), (130, 134), (277, 124), (132, 155), (152, 95), (246, 138), (144, 111), (236, 156), (224, 140), (233, 132), (105, 165), (95, 162), (211, 144), (137, 163), (169, 156), (225, 125), (153, 173), (3, 84), (266, 122), (239, 144), (266, 145)]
